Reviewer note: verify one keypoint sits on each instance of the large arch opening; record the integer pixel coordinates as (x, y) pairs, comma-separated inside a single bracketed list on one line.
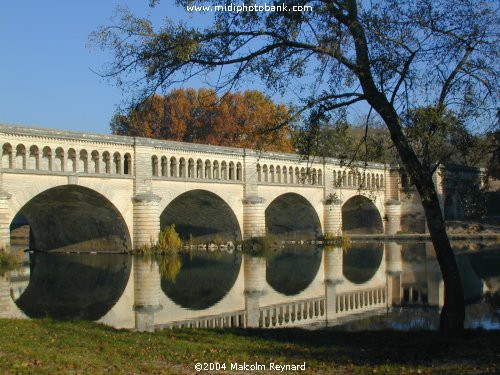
[(361, 261), (292, 216), (74, 286), (72, 218), (202, 216), (292, 270), (361, 216), (203, 280)]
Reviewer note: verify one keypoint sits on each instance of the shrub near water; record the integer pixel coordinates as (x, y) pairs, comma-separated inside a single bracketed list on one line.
[(168, 242)]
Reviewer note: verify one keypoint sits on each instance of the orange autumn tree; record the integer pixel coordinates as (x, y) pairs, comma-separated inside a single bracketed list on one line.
[(238, 119)]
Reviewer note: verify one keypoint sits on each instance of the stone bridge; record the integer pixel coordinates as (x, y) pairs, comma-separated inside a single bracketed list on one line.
[(106, 193)]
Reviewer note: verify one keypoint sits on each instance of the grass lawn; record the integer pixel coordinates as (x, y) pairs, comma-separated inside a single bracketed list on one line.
[(45, 346)]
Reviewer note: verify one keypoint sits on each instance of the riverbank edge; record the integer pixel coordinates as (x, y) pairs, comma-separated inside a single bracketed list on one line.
[(423, 237)]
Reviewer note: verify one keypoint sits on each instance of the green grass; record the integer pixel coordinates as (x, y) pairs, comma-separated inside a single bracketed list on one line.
[(45, 346)]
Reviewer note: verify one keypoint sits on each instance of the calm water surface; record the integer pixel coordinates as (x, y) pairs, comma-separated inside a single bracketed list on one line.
[(368, 286)]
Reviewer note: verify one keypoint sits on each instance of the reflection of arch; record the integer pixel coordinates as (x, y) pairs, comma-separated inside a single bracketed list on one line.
[(360, 215), (292, 215), (54, 291), (74, 218), (292, 270), (202, 214), (361, 261), (486, 264), (203, 280)]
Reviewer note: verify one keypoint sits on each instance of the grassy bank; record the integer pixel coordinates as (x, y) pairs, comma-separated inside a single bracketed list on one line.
[(46, 346)]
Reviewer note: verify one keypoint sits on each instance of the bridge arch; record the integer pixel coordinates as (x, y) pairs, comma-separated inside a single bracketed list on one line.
[(202, 215), (202, 280), (360, 215), (291, 215), (72, 218), (99, 284), (362, 261), (292, 270)]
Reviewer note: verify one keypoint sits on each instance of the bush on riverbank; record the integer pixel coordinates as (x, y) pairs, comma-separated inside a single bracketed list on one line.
[(168, 242)]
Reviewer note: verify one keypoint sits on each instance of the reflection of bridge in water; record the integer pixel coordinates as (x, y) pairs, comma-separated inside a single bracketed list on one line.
[(291, 288)]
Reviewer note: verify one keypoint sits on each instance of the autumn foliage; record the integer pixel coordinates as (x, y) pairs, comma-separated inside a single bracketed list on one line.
[(240, 119)]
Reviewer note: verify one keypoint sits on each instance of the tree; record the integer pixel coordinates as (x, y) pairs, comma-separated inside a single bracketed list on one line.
[(347, 142), (240, 119), (394, 55)]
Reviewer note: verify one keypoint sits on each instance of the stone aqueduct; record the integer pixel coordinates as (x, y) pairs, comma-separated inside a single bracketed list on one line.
[(78, 189)]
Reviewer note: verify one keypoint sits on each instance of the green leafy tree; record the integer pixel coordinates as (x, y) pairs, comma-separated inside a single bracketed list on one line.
[(393, 55)]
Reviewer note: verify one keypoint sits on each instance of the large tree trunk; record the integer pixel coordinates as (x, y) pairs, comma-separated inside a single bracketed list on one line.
[(453, 313)]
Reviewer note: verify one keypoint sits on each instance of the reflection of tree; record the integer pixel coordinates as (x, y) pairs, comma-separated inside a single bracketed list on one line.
[(169, 266)]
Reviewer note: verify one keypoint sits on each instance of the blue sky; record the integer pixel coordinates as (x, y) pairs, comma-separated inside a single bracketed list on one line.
[(47, 70), (46, 76)]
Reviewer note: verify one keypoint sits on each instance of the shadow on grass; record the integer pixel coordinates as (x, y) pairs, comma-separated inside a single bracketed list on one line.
[(369, 348)]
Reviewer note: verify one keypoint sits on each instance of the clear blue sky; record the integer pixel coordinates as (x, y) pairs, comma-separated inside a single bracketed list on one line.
[(45, 65)]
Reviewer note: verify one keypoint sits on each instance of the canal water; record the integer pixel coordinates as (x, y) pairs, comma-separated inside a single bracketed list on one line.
[(365, 286)]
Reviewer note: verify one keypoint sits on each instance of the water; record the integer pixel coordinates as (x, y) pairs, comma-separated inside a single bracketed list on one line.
[(368, 286)]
